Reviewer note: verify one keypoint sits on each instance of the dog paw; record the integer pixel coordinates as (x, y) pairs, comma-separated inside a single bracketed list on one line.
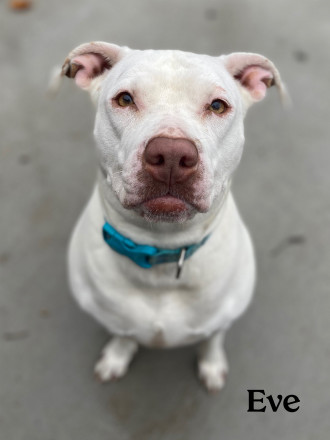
[(213, 375), (110, 368), (116, 357)]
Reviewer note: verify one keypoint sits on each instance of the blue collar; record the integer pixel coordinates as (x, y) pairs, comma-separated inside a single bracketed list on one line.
[(144, 255)]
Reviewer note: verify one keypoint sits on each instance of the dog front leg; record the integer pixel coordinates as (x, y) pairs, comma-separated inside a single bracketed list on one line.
[(115, 359), (212, 362)]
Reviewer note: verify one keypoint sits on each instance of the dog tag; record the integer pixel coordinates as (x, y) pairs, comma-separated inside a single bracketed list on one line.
[(180, 263)]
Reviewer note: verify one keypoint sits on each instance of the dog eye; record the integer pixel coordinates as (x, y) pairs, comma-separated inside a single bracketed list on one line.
[(124, 99), (218, 106)]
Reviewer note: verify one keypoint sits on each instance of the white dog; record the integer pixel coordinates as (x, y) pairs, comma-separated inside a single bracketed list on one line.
[(160, 255)]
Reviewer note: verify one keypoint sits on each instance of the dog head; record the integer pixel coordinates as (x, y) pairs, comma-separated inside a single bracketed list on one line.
[(169, 124)]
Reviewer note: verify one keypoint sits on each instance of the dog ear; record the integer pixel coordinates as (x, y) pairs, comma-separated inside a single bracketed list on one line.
[(89, 63), (255, 74)]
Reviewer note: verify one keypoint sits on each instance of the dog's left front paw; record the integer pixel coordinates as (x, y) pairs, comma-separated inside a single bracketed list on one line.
[(213, 375), (110, 369), (115, 360)]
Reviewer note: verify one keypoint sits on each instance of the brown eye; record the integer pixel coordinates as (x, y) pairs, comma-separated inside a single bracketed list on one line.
[(124, 99), (218, 106)]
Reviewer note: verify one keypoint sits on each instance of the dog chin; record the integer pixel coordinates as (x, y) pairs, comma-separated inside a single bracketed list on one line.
[(167, 209), (181, 217)]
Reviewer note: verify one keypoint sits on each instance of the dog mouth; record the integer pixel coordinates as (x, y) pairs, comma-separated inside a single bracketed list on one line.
[(165, 204)]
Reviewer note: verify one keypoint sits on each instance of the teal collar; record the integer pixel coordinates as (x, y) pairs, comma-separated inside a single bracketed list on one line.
[(148, 256)]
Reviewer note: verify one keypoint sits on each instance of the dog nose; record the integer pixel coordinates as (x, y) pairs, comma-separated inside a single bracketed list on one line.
[(171, 160)]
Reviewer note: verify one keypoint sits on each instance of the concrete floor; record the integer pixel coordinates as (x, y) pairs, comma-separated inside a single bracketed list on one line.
[(48, 346)]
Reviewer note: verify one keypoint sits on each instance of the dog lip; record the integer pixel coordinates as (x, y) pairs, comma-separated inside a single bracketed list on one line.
[(166, 204)]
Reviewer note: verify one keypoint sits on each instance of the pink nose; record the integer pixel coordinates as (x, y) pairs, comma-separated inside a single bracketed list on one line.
[(171, 160)]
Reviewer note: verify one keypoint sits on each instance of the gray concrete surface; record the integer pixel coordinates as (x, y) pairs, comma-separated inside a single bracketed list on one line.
[(48, 347)]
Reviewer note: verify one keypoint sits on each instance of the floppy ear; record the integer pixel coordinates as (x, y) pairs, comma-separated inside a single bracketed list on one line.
[(89, 63), (90, 60), (255, 74)]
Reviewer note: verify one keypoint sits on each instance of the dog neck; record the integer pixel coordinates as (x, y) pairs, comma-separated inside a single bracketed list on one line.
[(161, 234)]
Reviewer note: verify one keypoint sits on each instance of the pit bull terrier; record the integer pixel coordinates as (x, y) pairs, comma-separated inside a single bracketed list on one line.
[(160, 256)]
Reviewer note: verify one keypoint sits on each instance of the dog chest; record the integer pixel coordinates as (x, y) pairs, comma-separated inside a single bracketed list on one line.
[(159, 318)]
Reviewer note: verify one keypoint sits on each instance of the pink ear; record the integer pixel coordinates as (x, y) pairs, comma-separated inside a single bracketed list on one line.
[(86, 67), (255, 73), (256, 79), (90, 60)]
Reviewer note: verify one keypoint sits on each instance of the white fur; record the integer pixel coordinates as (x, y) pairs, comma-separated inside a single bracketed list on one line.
[(150, 306)]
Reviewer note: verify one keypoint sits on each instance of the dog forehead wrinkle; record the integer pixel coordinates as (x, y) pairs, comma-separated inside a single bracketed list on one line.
[(168, 86)]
